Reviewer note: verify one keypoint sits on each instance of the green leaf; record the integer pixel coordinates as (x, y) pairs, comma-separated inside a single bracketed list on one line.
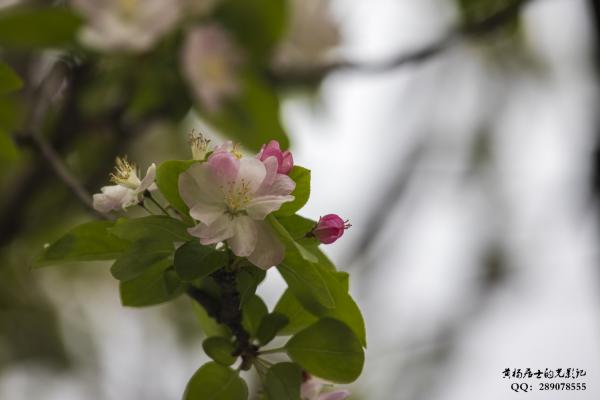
[(283, 381), (298, 227), (213, 381), (253, 311), (293, 248), (87, 242), (256, 24), (270, 325), (301, 193), (167, 180), (328, 349), (252, 118), (9, 80), (8, 149), (305, 282), (159, 227), (209, 326), (27, 27), (156, 285), (248, 279), (219, 349), (141, 256), (298, 317), (194, 261)]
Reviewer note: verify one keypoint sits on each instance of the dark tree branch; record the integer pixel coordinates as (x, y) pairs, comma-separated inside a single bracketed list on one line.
[(310, 76)]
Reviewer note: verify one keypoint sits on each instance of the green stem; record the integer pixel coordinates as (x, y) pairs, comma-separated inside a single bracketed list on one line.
[(152, 199), (272, 351)]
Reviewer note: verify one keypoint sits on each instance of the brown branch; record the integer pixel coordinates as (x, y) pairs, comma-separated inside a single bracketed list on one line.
[(310, 76)]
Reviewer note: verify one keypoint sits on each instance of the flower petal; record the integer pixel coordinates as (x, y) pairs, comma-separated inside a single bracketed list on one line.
[(252, 173), (269, 250), (283, 185), (111, 198), (336, 395), (148, 179), (207, 213), (271, 166), (224, 167), (259, 207), (197, 186), (244, 237)]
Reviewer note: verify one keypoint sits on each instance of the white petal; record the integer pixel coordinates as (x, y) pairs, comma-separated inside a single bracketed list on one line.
[(196, 185), (260, 207), (112, 198), (207, 213), (244, 237), (269, 250), (271, 164), (148, 179), (283, 185), (252, 173), (221, 229)]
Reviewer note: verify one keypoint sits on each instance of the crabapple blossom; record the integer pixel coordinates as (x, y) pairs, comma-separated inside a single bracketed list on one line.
[(209, 62), (285, 160), (329, 228), (199, 146), (129, 189), (231, 197), (126, 25), (312, 389)]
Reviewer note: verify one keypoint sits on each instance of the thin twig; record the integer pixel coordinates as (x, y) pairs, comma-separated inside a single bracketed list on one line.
[(488, 25)]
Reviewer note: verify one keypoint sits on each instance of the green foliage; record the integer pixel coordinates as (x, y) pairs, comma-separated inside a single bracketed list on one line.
[(209, 326), (256, 24), (219, 349), (297, 316), (328, 349), (282, 381), (248, 279), (252, 118), (293, 248), (167, 180), (87, 242), (269, 326), (156, 285), (298, 227), (9, 80), (28, 28), (253, 312), (160, 227), (301, 176), (305, 282), (195, 261), (213, 381), (141, 256)]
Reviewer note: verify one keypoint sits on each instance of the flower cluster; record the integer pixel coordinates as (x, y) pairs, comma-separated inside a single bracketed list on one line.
[(228, 195)]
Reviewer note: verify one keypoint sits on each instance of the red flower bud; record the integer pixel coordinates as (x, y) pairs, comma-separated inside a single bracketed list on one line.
[(330, 228)]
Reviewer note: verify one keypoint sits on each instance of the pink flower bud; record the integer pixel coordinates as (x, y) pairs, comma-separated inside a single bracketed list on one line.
[(285, 160), (330, 228)]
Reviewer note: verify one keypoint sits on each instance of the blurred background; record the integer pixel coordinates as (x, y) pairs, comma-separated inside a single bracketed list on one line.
[(459, 137)]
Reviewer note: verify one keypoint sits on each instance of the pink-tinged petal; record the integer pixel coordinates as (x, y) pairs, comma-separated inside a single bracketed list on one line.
[(271, 166), (282, 186), (260, 207), (336, 395), (148, 179), (221, 229), (112, 198), (269, 250), (310, 389), (224, 167), (287, 163), (197, 186), (330, 228), (252, 173), (244, 237), (207, 213)]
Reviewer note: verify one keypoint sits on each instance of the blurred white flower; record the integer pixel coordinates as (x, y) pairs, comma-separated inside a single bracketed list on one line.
[(126, 25), (312, 35), (129, 189), (209, 62)]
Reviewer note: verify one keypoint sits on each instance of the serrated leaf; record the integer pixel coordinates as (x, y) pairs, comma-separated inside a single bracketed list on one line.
[(86, 242), (39, 27), (159, 227), (213, 381), (167, 180), (301, 193), (154, 286), (282, 381), (270, 326), (298, 317), (194, 261), (253, 311), (219, 349), (140, 257), (328, 349)]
